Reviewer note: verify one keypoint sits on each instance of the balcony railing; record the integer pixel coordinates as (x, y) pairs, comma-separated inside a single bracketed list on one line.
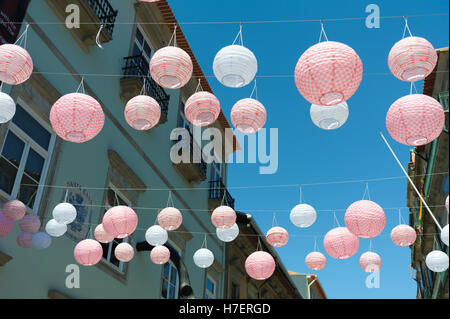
[(217, 189), (105, 12)]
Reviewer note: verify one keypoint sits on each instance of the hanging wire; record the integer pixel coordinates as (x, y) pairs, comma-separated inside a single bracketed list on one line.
[(406, 28), (336, 220), (301, 195), (322, 32), (370, 245), (143, 90), (255, 90), (97, 38), (315, 244), (23, 37), (274, 220), (366, 191), (239, 35), (199, 85), (174, 36), (81, 86)]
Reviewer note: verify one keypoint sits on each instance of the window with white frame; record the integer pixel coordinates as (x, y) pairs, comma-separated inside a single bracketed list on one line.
[(25, 158), (210, 288), (141, 45), (170, 279), (216, 171)]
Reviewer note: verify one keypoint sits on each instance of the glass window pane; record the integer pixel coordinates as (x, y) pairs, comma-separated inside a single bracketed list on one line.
[(113, 259), (13, 149), (164, 289), (136, 50), (210, 285), (105, 250), (147, 50), (28, 190), (166, 271), (172, 292), (34, 165), (32, 127), (139, 37), (8, 174), (173, 276)]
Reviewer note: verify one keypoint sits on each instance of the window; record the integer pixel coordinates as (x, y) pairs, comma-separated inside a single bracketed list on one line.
[(210, 289), (25, 158), (184, 123), (141, 46), (170, 279), (234, 291), (216, 171)]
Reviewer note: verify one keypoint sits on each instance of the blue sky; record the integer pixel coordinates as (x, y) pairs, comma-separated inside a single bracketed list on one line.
[(306, 153)]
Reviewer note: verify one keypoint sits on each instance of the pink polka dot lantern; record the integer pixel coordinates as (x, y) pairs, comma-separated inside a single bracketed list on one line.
[(142, 112), (171, 67), (415, 119), (403, 235), (202, 109), (14, 209), (340, 243), (370, 262), (120, 221), (16, 65), (88, 252), (277, 236), (170, 218), (328, 73), (25, 240), (316, 260), (248, 116), (6, 225), (30, 223), (77, 117), (260, 265), (160, 255), (365, 219), (223, 217), (124, 252), (101, 235)]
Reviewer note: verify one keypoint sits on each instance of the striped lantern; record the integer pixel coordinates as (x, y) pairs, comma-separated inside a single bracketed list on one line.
[(88, 252), (101, 235), (120, 221), (202, 109), (370, 262), (160, 255), (149, 0), (7, 108), (277, 236), (329, 117), (340, 243), (328, 73), (260, 265), (6, 225), (25, 240), (30, 223), (403, 235), (142, 112), (170, 218), (415, 119), (171, 67), (124, 252), (14, 209), (223, 217), (316, 260), (16, 64), (412, 59), (365, 219), (248, 116), (77, 117)]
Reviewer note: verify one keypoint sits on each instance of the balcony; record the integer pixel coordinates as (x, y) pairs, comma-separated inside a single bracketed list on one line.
[(135, 70), (216, 194)]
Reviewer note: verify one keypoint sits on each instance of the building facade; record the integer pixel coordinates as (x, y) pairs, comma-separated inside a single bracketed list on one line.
[(308, 285)]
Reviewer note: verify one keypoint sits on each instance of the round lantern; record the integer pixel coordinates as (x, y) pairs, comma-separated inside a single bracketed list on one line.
[(328, 73), (277, 236), (41, 240), (316, 260), (340, 243), (248, 116), (235, 66), (223, 217), (260, 265), (446, 204), (412, 59), (160, 255), (303, 215), (370, 262), (171, 67), (16, 64), (329, 117), (6, 225), (202, 109), (101, 235), (30, 223), (124, 252), (14, 209), (25, 240), (7, 108), (156, 235), (437, 261), (142, 112), (88, 252), (64, 213), (228, 234), (403, 235), (203, 258), (415, 119), (365, 219), (120, 221), (170, 218), (77, 117), (444, 235), (55, 229)]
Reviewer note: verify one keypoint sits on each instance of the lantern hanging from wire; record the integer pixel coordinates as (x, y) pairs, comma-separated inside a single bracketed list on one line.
[(223, 217), (277, 236), (228, 234), (444, 235), (25, 240), (203, 258), (88, 252), (260, 265), (202, 109), (142, 112), (365, 219), (340, 243), (156, 235), (41, 240), (30, 223), (160, 255), (7, 108), (316, 260), (248, 116), (55, 229), (437, 261), (6, 225), (370, 262), (170, 218), (120, 221), (303, 215), (101, 235), (16, 65), (329, 117), (403, 235), (14, 209), (124, 252), (64, 213)]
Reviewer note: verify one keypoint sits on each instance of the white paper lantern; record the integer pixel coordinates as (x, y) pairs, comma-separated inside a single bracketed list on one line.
[(156, 235), (41, 240), (303, 215), (329, 117), (437, 261), (203, 258), (228, 234), (444, 235), (55, 229), (64, 213), (7, 108)]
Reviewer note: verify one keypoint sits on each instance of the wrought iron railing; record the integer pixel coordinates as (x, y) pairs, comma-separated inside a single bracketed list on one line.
[(443, 99), (217, 190), (105, 12)]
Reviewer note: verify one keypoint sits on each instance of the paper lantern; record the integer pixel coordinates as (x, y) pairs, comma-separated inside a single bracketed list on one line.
[(160, 255), (7, 108), (370, 262), (223, 217), (124, 252), (437, 261), (101, 235), (303, 215), (30, 223), (444, 235), (415, 119), (149, 0), (156, 235), (235, 66), (55, 229), (120, 221), (403, 235), (365, 219), (228, 234), (16, 64), (6, 225), (446, 204), (88, 252), (316, 260), (170, 218), (171, 67), (248, 116), (412, 59), (277, 236), (329, 117), (142, 112), (202, 109), (340, 243), (77, 117), (260, 265), (14, 209), (328, 73), (25, 240), (41, 240), (203, 258), (64, 213)]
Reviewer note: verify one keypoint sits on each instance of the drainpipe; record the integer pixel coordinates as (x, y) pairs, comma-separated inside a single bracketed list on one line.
[(309, 287)]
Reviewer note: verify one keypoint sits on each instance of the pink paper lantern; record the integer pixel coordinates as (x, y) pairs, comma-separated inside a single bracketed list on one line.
[(170, 218), (370, 262), (415, 119), (260, 265), (101, 235), (340, 243), (171, 67), (120, 221), (316, 260), (223, 217), (6, 225), (149, 0), (88, 252), (14, 209), (77, 117), (25, 240), (142, 112), (248, 116), (365, 219), (16, 65), (446, 203), (328, 73), (202, 109), (30, 224), (124, 252), (160, 255), (403, 235), (277, 236), (412, 59)]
